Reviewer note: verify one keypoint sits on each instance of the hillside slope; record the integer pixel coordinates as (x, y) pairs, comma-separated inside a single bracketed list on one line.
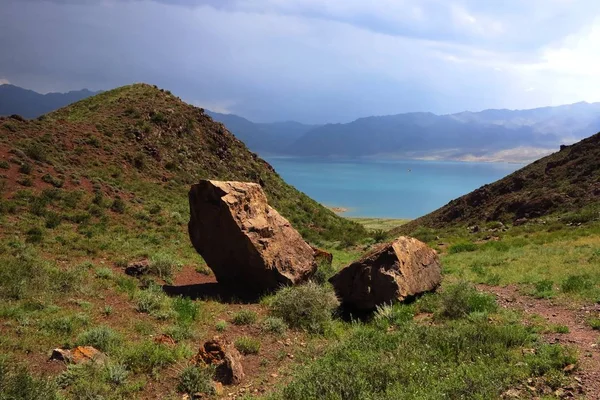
[(566, 181), (30, 104), (146, 146)]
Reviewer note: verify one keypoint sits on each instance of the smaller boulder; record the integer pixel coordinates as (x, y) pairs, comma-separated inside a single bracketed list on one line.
[(394, 271), (78, 355), (138, 268), (225, 358)]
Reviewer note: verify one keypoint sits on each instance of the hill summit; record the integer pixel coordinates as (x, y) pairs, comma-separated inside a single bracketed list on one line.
[(144, 145), (564, 182)]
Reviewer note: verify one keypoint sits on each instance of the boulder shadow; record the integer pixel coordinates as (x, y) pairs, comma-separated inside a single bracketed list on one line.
[(214, 291)]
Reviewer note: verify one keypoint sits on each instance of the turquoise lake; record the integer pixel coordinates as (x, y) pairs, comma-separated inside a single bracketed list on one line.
[(387, 188)]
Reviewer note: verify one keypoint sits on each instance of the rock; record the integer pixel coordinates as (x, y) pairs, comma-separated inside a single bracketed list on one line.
[(225, 358), (243, 240), (322, 257), (512, 394), (165, 339), (79, 355), (398, 270), (520, 221), (138, 268)]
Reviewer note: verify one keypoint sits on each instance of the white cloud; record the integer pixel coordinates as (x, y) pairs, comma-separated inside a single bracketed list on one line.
[(4, 81)]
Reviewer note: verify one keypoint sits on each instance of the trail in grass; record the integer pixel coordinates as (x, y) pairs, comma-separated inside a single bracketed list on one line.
[(580, 335)]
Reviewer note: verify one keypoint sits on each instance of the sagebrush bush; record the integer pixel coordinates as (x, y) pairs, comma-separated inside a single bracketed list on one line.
[(461, 299), (274, 325), (308, 307), (244, 317), (577, 283), (101, 337), (194, 379), (247, 345), (154, 302), (149, 357), (163, 265)]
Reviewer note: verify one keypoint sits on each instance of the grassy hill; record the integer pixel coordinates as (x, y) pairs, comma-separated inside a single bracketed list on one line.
[(566, 182), (88, 188), (146, 147)]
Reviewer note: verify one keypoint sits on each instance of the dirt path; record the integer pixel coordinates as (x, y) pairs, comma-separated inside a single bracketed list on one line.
[(580, 335)]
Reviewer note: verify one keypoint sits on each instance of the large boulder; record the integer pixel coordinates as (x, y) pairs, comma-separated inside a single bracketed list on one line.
[(398, 270), (243, 240)]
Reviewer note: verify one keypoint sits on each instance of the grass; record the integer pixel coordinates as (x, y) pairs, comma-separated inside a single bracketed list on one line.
[(308, 307), (244, 317), (461, 359), (193, 380), (247, 345), (102, 337), (546, 261)]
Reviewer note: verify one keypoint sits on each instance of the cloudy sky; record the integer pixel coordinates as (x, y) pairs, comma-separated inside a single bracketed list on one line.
[(312, 60)]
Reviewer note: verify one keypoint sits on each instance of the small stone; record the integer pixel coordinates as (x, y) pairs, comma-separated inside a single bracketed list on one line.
[(569, 368), (274, 375)]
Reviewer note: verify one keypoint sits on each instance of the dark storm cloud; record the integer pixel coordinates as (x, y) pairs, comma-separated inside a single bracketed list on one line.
[(310, 60)]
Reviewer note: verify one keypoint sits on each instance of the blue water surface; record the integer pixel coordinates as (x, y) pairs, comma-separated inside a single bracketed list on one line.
[(387, 188)]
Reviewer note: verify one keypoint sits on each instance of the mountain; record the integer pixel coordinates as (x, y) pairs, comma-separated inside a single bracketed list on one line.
[(263, 138), (567, 181), (30, 104), (145, 145), (489, 135), (456, 136)]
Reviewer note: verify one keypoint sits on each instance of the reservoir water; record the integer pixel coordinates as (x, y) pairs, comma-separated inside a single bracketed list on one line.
[(387, 188)]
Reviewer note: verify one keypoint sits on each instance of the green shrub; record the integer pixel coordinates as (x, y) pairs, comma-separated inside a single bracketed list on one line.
[(324, 271), (4, 164), (163, 265), (544, 289), (594, 323), (247, 345), (461, 299), (52, 219), (101, 337), (116, 374), (149, 357), (57, 183), (180, 331), (104, 273), (154, 302), (25, 168), (309, 307), (379, 235), (34, 235), (274, 325), (23, 275), (187, 310), (394, 314), (118, 205), (462, 247), (221, 326), (36, 151), (244, 317), (193, 380), (577, 284)]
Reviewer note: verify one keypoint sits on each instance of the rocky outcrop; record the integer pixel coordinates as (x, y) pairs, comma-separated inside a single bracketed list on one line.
[(225, 358), (398, 270), (243, 240)]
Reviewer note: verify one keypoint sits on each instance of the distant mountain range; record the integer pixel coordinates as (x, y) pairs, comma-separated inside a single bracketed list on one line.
[(30, 104), (489, 135)]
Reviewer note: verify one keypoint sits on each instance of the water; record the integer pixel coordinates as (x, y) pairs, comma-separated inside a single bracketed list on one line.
[(387, 188)]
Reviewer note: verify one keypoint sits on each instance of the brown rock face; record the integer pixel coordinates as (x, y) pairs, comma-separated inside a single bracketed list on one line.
[(225, 358), (398, 270), (243, 240)]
